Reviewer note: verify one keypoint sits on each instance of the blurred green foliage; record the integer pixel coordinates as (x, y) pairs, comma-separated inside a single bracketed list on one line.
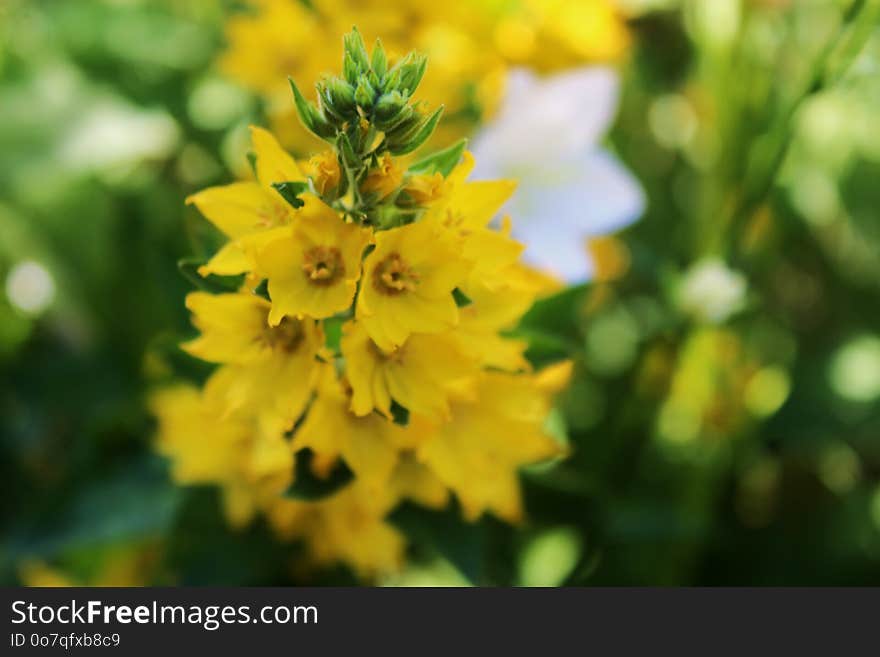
[(741, 453)]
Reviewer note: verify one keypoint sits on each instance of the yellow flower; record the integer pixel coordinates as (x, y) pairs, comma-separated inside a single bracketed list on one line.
[(550, 35), (420, 394), (248, 212), (324, 171), (425, 188), (467, 209), (491, 311), (348, 526), (408, 283), (272, 370), (384, 179), (470, 205), (207, 445), (414, 481), (417, 375), (313, 270), (489, 438), (499, 288), (369, 445), (283, 38)]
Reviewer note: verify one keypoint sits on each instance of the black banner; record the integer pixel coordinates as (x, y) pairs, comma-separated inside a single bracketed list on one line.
[(226, 621)]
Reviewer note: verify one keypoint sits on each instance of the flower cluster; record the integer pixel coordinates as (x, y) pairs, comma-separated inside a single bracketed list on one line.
[(362, 355), (471, 45)]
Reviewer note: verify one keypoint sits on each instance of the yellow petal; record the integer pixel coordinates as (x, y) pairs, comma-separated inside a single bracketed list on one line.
[(241, 208), (230, 325), (228, 261), (478, 202), (274, 164)]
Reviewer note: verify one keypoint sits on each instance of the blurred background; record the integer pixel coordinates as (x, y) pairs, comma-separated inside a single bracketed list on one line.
[(724, 416)]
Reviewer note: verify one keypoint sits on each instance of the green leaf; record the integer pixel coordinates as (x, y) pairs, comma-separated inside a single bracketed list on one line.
[(442, 162), (545, 348), (291, 190), (461, 299), (212, 283), (306, 486), (461, 543), (552, 327), (558, 314), (132, 502)]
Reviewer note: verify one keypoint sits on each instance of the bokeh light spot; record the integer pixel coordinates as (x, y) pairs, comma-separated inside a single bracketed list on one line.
[(549, 558), (767, 391), (839, 468), (30, 287), (672, 120), (855, 369)]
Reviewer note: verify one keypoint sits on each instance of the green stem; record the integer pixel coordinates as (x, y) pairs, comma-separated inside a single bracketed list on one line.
[(780, 137)]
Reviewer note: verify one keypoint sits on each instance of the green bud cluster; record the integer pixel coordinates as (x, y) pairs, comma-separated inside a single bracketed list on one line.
[(370, 99)]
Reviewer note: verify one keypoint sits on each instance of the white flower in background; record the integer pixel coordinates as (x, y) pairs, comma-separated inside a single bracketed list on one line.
[(711, 291), (114, 134), (547, 137)]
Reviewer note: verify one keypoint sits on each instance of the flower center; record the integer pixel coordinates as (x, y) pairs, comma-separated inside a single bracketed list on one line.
[(392, 276), (323, 265), (285, 337)]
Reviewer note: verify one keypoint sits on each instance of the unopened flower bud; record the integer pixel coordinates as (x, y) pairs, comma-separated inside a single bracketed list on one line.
[(340, 95), (356, 51), (387, 108), (379, 61), (365, 93), (411, 73)]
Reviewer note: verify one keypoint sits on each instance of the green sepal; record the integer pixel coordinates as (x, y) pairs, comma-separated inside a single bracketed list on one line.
[(388, 107), (291, 190), (306, 486), (350, 70), (309, 115), (379, 62), (365, 94), (339, 95), (405, 114), (442, 162), (425, 130), (355, 50), (411, 72)]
